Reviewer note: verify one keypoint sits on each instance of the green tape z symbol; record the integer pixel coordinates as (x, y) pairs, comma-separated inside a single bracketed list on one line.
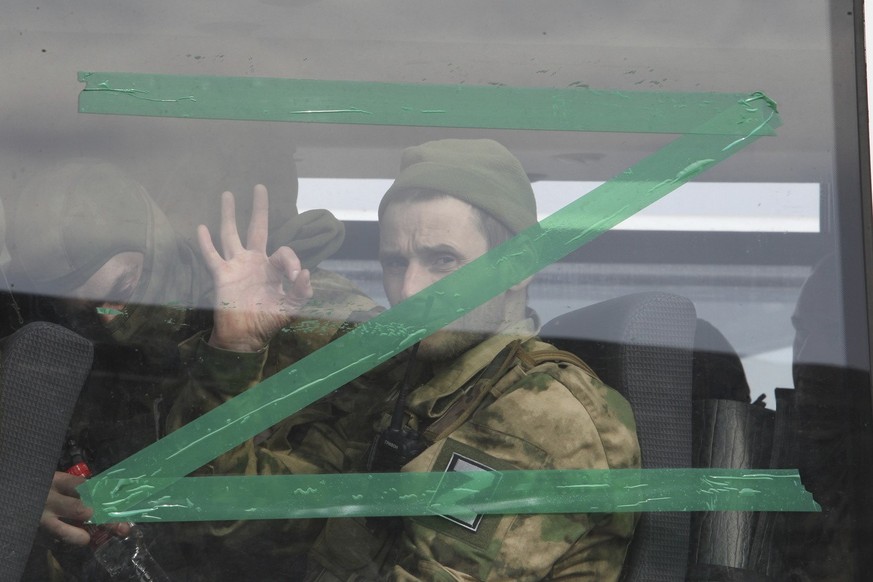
[(713, 127)]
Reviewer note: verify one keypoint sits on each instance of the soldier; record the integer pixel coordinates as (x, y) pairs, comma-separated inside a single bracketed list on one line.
[(484, 392), (97, 254)]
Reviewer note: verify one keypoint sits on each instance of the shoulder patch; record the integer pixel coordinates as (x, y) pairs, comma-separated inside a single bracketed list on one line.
[(460, 463), (471, 528)]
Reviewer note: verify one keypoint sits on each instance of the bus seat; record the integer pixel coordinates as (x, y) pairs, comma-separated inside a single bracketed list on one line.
[(718, 372), (42, 369), (641, 345)]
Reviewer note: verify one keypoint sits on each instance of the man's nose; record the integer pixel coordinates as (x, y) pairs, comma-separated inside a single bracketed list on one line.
[(414, 280)]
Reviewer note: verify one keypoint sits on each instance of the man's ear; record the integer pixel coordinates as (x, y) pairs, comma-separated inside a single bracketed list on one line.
[(522, 284), (525, 260)]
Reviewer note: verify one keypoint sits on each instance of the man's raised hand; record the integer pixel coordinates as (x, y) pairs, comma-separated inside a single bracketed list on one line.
[(252, 299)]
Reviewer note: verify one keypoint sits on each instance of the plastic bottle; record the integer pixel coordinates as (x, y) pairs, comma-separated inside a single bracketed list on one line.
[(125, 559)]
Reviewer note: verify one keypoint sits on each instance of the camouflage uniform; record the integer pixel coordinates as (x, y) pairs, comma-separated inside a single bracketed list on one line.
[(534, 415), (552, 415), (265, 550)]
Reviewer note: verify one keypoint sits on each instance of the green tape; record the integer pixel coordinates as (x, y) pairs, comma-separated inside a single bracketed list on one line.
[(399, 327), (109, 311), (396, 329), (461, 494), (350, 102)]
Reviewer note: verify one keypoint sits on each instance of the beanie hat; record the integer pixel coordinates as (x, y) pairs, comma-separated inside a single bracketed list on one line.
[(480, 172), (257, 154), (69, 221)]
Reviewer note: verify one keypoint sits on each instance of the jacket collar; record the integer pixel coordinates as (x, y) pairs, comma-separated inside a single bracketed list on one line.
[(431, 399)]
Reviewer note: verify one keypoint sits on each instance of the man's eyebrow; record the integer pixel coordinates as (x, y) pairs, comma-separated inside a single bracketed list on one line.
[(440, 248), (421, 249)]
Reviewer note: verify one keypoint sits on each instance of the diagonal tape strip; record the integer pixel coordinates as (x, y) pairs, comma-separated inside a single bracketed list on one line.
[(396, 329), (461, 494), (350, 102)]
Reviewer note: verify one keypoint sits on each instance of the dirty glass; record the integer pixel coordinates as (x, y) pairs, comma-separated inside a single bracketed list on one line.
[(699, 179)]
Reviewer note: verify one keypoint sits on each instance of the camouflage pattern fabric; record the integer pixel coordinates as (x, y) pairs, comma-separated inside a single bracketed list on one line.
[(548, 416), (270, 549), (551, 416)]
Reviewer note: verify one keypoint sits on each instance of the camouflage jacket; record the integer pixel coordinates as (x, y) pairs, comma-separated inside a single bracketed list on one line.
[(551, 415)]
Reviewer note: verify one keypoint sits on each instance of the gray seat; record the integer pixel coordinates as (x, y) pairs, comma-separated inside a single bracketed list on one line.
[(642, 345), (42, 369)]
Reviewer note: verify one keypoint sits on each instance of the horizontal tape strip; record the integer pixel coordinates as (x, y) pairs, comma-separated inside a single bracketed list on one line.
[(463, 494), (359, 103)]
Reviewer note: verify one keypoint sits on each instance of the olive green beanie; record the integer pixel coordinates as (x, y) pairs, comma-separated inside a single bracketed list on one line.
[(480, 172), (69, 221)]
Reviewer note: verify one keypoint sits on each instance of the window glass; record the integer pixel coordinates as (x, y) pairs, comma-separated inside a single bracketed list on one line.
[(728, 312)]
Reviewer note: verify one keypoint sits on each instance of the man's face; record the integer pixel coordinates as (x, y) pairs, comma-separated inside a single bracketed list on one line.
[(111, 286), (420, 242)]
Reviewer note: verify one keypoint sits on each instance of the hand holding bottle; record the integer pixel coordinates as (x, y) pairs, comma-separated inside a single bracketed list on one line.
[(120, 548)]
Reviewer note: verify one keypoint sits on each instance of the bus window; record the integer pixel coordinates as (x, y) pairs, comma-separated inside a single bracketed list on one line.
[(695, 267)]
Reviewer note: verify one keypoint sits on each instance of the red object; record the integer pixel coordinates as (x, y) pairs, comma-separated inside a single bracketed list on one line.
[(80, 469)]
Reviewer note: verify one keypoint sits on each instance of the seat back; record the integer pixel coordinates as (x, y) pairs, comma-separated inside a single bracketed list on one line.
[(42, 369), (641, 345)]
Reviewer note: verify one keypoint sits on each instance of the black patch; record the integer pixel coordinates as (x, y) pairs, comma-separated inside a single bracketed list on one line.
[(460, 529), (460, 463)]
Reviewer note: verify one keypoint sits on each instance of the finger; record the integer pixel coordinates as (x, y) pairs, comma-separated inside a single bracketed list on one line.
[(287, 262), (230, 241), (259, 224), (301, 289), (61, 502), (66, 484), (207, 249), (122, 530), (68, 534)]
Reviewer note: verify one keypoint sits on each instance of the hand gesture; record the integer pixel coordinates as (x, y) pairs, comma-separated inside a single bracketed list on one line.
[(255, 295)]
